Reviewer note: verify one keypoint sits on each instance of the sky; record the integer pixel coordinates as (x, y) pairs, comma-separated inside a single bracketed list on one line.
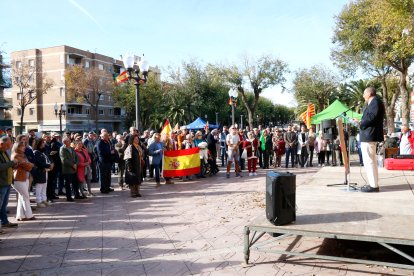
[(169, 32)]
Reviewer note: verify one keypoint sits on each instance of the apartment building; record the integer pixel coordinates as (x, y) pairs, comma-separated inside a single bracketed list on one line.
[(5, 102), (40, 114)]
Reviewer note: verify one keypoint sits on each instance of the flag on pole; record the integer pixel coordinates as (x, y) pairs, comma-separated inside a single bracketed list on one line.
[(176, 127), (166, 129), (123, 77), (307, 115), (181, 162)]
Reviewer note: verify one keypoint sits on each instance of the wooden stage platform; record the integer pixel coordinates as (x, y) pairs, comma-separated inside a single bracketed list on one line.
[(386, 217)]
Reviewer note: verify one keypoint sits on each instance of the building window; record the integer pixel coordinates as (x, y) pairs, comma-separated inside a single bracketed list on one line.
[(101, 97), (117, 111), (110, 111), (61, 91), (19, 96), (86, 64), (101, 66), (31, 111), (101, 112), (87, 111), (19, 112), (71, 110), (109, 98), (31, 63), (18, 64)]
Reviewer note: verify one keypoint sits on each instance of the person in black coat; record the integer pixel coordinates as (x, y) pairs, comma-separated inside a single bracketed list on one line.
[(133, 156), (371, 132), (43, 165), (56, 174), (105, 151)]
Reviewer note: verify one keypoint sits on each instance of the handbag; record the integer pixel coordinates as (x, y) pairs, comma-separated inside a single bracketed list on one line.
[(244, 154)]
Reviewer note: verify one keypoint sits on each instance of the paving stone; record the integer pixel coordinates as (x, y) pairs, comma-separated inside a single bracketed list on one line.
[(190, 228)]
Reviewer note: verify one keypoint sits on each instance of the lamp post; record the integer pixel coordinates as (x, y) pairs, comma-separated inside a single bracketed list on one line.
[(217, 119), (60, 112), (233, 97), (241, 121), (134, 74)]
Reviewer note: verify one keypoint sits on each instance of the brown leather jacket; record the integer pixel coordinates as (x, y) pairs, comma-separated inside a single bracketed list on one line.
[(20, 173)]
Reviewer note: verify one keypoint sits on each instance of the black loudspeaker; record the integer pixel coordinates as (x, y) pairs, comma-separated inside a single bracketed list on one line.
[(280, 197), (328, 123)]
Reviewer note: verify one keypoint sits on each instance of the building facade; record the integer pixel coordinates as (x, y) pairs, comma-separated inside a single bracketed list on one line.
[(40, 114), (5, 102)]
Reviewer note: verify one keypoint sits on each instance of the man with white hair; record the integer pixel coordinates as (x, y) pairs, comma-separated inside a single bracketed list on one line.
[(6, 179), (371, 132), (406, 140), (105, 151), (233, 142), (70, 161)]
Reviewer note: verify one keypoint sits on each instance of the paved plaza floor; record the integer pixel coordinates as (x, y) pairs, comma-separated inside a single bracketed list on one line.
[(188, 228)]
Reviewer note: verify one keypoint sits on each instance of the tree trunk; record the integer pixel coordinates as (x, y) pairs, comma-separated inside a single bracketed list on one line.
[(389, 105), (21, 120), (96, 118), (405, 105)]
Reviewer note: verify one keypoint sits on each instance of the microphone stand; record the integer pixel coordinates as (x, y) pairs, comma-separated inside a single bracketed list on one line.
[(347, 181)]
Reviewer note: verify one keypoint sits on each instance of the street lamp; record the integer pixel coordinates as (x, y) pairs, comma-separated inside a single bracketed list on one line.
[(60, 112), (233, 97), (241, 121), (257, 120), (134, 74)]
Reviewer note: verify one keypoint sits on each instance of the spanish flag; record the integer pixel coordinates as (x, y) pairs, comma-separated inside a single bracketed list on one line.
[(181, 162), (123, 77), (166, 129)]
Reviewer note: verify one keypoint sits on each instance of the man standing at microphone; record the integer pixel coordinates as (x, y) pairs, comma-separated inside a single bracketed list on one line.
[(371, 132)]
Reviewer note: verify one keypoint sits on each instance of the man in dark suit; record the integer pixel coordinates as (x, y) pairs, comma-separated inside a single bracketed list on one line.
[(371, 132)]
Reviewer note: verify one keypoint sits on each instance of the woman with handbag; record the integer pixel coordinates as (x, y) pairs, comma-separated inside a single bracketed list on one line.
[(133, 157), (21, 182)]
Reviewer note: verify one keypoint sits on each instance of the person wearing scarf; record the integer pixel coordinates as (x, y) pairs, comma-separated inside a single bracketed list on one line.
[(133, 157)]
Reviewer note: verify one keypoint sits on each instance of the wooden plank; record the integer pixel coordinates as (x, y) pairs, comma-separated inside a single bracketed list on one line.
[(343, 145)]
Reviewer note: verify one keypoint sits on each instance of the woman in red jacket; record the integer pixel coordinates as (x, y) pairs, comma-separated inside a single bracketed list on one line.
[(84, 161), (250, 145)]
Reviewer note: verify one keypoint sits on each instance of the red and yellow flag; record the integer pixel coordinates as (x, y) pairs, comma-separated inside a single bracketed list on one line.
[(166, 129), (123, 77), (181, 162), (307, 115), (176, 127)]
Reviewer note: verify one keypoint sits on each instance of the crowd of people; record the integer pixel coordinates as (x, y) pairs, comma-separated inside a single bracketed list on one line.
[(67, 166)]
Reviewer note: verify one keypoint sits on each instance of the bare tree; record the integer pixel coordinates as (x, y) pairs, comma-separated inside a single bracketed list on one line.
[(88, 86), (28, 78)]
